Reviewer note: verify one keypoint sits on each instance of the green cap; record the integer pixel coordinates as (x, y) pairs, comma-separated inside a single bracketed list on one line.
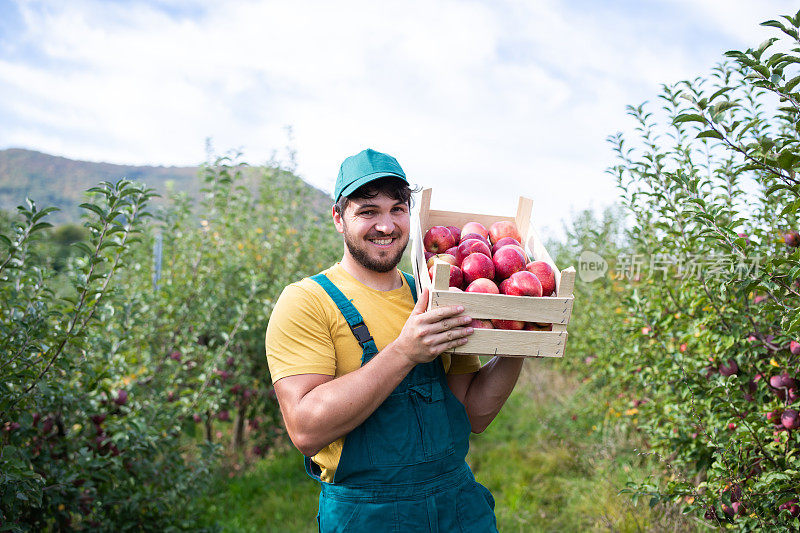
[(364, 167)]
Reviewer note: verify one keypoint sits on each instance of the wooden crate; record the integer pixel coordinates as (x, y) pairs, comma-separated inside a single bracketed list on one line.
[(551, 309)]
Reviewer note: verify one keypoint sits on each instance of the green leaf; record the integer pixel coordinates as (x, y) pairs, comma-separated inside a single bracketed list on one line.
[(41, 226), (766, 44), (791, 84), (718, 93), (689, 117), (43, 213), (95, 209), (724, 106), (774, 24), (709, 133)]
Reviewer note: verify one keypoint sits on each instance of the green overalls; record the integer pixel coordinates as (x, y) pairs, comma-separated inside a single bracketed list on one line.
[(403, 469)]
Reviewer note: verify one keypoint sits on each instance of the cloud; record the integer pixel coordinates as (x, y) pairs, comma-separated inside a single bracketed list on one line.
[(481, 100)]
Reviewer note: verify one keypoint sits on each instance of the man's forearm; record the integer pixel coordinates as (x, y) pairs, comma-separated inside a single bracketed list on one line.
[(489, 390), (336, 407)]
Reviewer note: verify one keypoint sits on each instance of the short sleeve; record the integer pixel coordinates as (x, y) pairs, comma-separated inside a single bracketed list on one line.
[(463, 364), (298, 337)]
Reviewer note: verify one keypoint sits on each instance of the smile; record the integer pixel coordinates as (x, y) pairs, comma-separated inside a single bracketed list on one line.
[(382, 242)]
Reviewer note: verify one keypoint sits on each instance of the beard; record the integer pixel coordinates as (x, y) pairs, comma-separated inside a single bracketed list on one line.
[(384, 263)]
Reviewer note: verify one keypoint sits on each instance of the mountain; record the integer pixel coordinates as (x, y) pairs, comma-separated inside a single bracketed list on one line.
[(57, 181)]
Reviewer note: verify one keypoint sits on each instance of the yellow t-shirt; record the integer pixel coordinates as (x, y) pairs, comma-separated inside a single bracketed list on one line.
[(307, 334)]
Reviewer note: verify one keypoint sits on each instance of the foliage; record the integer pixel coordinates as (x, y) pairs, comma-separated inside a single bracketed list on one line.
[(111, 358), (713, 268)]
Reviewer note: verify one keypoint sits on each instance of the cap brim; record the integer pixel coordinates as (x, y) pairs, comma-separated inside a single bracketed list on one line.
[(350, 189)]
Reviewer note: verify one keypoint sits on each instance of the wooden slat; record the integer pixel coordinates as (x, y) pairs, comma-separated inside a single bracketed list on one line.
[(515, 343), (523, 218), (567, 282), (526, 308), (539, 253), (454, 218), (418, 263), (441, 275)]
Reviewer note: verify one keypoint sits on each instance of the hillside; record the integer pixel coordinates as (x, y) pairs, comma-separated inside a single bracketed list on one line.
[(57, 181)]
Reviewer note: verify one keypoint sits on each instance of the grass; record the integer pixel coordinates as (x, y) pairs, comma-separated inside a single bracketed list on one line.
[(548, 458)]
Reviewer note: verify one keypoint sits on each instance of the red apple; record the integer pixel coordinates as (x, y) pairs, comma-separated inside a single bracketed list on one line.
[(456, 289), (790, 419), (794, 347), (504, 228), (782, 381), (792, 239), (508, 260), (729, 369), (453, 250), (122, 397), (477, 265), (520, 248), (474, 227), (447, 258), (476, 236), (536, 326), (428, 255), (481, 323), (471, 246), (438, 239), (456, 233), (483, 285), (508, 324), (456, 276), (522, 283), (502, 242), (546, 276)]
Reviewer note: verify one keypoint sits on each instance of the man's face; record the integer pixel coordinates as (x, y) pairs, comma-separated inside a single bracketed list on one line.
[(375, 231)]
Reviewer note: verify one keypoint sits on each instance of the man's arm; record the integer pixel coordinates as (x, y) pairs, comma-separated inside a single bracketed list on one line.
[(484, 392), (318, 409)]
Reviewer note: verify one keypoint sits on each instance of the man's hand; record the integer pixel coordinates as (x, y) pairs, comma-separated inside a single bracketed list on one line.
[(426, 334)]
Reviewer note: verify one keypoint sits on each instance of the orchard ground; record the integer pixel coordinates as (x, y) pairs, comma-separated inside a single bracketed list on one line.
[(555, 459)]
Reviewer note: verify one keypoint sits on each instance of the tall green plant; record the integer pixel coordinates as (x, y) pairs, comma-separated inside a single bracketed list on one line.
[(710, 184)]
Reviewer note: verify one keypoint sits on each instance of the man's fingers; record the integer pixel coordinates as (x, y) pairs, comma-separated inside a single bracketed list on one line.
[(446, 339), (441, 313), (422, 303)]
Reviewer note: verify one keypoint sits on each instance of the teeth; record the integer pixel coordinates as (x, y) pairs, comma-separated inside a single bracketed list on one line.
[(382, 241)]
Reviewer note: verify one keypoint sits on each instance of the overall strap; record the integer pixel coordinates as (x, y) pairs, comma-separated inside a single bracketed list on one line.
[(359, 329), (351, 314), (411, 284)]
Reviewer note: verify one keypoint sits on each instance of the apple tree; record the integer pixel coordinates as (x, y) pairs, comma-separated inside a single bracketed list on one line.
[(713, 268)]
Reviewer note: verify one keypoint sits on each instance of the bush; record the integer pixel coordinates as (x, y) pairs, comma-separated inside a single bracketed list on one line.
[(111, 361), (711, 264)]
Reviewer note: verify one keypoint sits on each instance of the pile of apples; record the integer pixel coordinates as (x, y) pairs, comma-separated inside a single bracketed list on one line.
[(490, 261)]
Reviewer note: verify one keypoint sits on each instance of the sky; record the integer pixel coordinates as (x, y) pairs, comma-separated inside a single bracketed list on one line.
[(484, 101)]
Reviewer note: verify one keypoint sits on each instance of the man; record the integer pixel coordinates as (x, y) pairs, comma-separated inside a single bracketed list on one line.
[(366, 387)]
